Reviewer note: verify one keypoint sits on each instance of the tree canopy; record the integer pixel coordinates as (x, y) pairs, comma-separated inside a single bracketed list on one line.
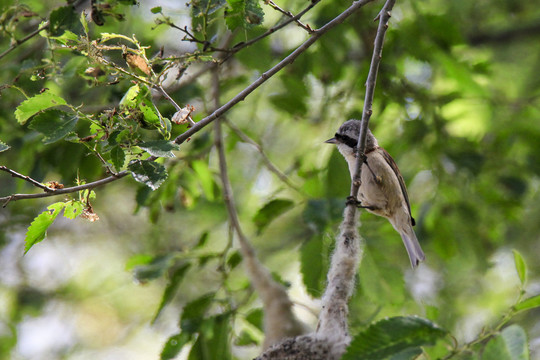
[(163, 170)]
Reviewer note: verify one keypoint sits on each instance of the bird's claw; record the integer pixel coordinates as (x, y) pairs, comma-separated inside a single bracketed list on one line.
[(351, 200)]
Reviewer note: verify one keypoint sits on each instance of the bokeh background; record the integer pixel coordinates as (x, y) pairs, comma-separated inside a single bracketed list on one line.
[(457, 104)]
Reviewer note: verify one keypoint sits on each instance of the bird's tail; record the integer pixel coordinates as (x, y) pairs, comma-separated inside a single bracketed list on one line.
[(416, 255)]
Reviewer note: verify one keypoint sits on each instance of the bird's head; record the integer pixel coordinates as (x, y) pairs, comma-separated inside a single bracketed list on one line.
[(346, 138)]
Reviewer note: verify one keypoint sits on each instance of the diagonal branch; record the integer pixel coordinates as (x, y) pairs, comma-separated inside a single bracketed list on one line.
[(290, 15), (271, 72), (218, 112), (27, 178), (267, 162), (279, 320), (346, 259)]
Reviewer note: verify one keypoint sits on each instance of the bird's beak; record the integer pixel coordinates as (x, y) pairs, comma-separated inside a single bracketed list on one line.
[(331, 141)]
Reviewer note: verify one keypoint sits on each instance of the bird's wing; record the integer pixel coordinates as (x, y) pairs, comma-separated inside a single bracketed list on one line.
[(394, 167)]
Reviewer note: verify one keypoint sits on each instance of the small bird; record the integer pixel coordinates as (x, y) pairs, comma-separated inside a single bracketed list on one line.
[(382, 190)]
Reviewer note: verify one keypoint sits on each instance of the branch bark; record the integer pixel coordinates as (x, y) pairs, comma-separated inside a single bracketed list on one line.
[(218, 112), (279, 320), (332, 336)]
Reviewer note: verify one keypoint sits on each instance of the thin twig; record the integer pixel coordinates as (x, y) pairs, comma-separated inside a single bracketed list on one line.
[(272, 30), (15, 197), (274, 70), (267, 162), (384, 17), (290, 15), (279, 320), (24, 39), (27, 178), (218, 112), (346, 258)]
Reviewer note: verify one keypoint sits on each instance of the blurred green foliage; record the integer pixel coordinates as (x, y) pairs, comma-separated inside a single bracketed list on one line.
[(457, 105)]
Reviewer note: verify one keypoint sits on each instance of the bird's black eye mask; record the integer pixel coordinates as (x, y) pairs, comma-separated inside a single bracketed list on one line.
[(347, 140)]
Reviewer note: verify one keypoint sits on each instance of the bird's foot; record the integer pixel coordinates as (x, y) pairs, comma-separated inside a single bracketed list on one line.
[(351, 200)]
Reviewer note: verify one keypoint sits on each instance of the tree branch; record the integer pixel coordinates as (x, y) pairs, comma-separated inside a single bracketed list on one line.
[(269, 165), (332, 337), (24, 39), (290, 15), (271, 72), (279, 320), (27, 178), (218, 112), (15, 197)]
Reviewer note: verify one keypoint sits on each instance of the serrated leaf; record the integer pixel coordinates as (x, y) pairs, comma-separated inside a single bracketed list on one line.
[(392, 336), (243, 13), (73, 209), (35, 104), (54, 124), (156, 10), (311, 266), (4, 147), (149, 173), (84, 22), (270, 211), (528, 304), (172, 287), (521, 267), (61, 19), (118, 157), (37, 231), (511, 344), (159, 148), (174, 345)]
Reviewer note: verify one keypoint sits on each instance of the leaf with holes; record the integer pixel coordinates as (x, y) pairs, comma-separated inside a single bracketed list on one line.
[(149, 173), (159, 148), (54, 124)]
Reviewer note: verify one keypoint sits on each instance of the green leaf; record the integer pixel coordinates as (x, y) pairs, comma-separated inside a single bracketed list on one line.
[(243, 13), (4, 147), (214, 342), (234, 259), (193, 313), (172, 287), (174, 345), (393, 336), (255, 317), (270, 211), (156, 10), (37, 231), (205, 178), (159, 148), (521, 267), (149, 173), (54, 124), (511, 344), (312, 266), (528, 304), (33, 105), (118, 157), (61, 19), (153, 269), (73, 209)]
